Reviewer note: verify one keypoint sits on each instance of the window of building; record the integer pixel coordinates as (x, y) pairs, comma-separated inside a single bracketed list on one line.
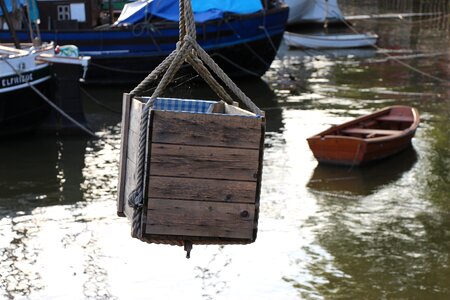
[(63, 12)]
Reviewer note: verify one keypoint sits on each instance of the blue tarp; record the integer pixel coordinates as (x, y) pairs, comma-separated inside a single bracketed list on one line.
[(9, 5), (34, 11), (138, 11)]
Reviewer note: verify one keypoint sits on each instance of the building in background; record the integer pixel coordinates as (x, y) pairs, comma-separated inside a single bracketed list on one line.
[(75, 14)]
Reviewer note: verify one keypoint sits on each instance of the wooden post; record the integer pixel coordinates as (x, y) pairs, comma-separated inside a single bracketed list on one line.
[(10, 25)]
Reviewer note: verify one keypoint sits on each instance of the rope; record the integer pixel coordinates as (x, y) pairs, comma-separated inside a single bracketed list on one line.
[(187, 50), (228, 82), (200, 68), (153, 75)]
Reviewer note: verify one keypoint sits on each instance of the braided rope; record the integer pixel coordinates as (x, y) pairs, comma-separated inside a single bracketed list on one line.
[(188, 15), (198, 66), (227, 80), (138, 90), (190, 51), (182, 23)]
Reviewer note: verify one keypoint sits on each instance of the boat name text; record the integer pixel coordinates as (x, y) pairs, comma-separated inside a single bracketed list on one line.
[(16, 80)]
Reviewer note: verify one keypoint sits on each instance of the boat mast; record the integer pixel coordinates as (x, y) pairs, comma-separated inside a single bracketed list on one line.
[(10, 25), (111, 12), (31, 7)]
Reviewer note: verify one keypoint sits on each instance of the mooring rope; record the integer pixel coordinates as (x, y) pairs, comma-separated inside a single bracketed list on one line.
[(187, 50), (53, 105)]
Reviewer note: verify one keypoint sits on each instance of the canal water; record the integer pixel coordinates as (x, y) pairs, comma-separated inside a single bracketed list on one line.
[(378, 232)]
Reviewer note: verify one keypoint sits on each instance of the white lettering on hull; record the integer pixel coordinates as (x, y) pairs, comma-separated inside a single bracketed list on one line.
[(16, 80)]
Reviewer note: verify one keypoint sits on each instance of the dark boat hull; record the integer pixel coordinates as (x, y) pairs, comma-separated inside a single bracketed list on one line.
[(22, 110), (243, 45), (236, 61)]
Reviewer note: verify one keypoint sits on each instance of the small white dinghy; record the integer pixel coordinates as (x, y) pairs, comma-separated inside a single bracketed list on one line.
[(329, 41)]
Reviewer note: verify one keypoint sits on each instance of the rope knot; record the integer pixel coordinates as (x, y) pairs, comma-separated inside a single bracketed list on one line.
[(136, 199), (189, 39)]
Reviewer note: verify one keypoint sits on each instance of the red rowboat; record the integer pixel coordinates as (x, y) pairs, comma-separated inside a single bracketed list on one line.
[(368, 138)]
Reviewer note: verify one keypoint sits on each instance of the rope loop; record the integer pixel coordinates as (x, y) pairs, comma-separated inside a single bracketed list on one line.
[(187, 50)]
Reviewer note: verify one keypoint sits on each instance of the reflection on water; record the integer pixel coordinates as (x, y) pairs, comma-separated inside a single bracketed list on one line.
[(363, 180), (381, 231), (53, 172)]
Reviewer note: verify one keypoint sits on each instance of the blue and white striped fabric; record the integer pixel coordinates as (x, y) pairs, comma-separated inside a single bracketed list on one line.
[(183, 105)]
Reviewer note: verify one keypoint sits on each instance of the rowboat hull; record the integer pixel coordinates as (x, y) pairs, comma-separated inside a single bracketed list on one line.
[(354, 144), (331, 41)]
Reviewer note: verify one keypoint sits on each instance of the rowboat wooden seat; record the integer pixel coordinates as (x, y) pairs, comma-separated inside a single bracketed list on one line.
[(395, 118), (369, 131)]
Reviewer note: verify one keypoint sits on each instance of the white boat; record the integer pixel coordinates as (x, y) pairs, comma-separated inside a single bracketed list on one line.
[(329, 41), (22, 71), (25, 76), (21, 108), (313, 11)]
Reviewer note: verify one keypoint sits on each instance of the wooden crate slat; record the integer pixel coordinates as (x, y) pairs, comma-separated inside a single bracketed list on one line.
[(202, 189), (206, 130), (126, 103), (129, 186), (203, 219), (135, 115), (133, 146), (204, 162)]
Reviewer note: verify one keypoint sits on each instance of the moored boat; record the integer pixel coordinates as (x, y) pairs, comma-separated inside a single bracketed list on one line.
[(242, 44), (368, 138), (330, 41), (21, 108)]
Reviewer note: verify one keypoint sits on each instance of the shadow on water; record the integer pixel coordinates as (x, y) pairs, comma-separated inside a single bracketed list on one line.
[(362, 180), (41, 171)]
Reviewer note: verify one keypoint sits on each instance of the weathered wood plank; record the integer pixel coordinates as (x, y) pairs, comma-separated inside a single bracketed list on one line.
[(206, 130), (198, 218), (129, 187), (134, 129), (204, 162), (234, 110), (133, 145), (135, 115), (123, 153), (202, 189)]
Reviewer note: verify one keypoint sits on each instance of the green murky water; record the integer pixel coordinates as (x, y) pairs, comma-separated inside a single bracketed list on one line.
[(380, 232)]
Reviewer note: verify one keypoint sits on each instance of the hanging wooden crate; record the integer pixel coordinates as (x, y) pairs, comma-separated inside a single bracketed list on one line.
[(202, 173)]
